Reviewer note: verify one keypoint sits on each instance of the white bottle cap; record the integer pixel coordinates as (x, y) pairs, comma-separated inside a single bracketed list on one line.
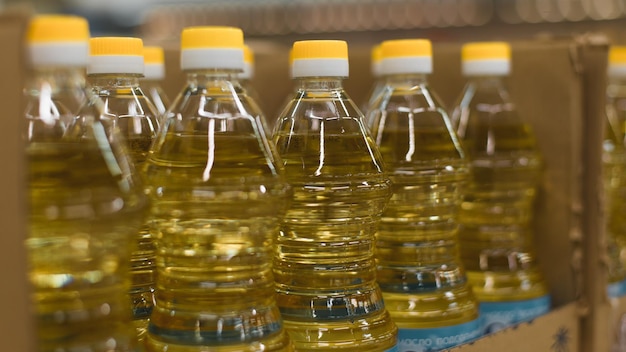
[(58, 40), (115, 55), (488, 58), (403, 56), (320, 58), (211, 48)]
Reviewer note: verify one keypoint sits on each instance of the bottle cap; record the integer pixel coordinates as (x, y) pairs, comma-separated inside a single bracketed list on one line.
[(617, 61), (248, 63), (406, 56), (486, 58), (376, 57), (320, 58), (123, 55), (212, 47), (58, 40), (154, 63)]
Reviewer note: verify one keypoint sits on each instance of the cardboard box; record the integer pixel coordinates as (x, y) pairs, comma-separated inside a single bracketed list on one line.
[(558, 86), (16, 329)]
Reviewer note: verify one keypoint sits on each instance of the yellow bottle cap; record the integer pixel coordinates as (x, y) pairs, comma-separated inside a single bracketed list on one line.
[(115, 55), (248, 63), (486, 51), (153, 55), (617, 61), (211, 47), (406, 47), (406, 56), (57, 28), (376, 56), (320, 58), (115, 46), (211, 37), (617, 55), (320, 49), (248, 55), (377, 53)]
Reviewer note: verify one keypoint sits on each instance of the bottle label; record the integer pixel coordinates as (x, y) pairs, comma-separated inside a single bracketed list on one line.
[(437, 339), (616, 289), (393, 349), (499, 315)]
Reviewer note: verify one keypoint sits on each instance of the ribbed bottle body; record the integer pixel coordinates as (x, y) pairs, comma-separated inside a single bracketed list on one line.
[(129, 110), (419, 268), (324, 267), (496, 214), (84, 204), (217, 198)]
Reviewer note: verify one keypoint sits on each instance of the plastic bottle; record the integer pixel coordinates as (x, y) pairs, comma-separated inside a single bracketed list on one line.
[(154, 74), (115, 66), (324, 267), (419, 268), (217, 194), (614, 172), (496, 235), (84, 200)]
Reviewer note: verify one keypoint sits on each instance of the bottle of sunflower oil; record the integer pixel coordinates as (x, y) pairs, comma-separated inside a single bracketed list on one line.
[(496, 236), (218, 192), (115, 66), (154, 74), (419, 268), (324, 267), (84, 200)]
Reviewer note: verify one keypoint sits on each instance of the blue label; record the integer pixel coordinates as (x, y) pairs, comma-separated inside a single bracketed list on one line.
[(616, 289), (499, 315), (437, 339)]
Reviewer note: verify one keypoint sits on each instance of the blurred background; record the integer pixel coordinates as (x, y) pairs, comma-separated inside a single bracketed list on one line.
[(439, 19), (271, 26)]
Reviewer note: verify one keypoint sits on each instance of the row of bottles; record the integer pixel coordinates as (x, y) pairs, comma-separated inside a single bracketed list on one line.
[(402, 230)]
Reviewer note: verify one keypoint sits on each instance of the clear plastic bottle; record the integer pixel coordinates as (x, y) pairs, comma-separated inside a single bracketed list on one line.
[(324, 267), (115, 66), (217, 194), (419, 268), (84, 200), (154, 74), (614, 172), (496, 235)]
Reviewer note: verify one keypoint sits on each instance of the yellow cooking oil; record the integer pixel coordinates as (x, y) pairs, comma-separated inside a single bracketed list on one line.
[(217, 195), (419, 267), (324, 267), (496, 234)]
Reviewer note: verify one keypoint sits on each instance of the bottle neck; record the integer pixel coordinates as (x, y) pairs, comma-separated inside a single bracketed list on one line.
[(114, 80), (319, 83), (411, 79), (488, 82), (211, 76), (57, 78)]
